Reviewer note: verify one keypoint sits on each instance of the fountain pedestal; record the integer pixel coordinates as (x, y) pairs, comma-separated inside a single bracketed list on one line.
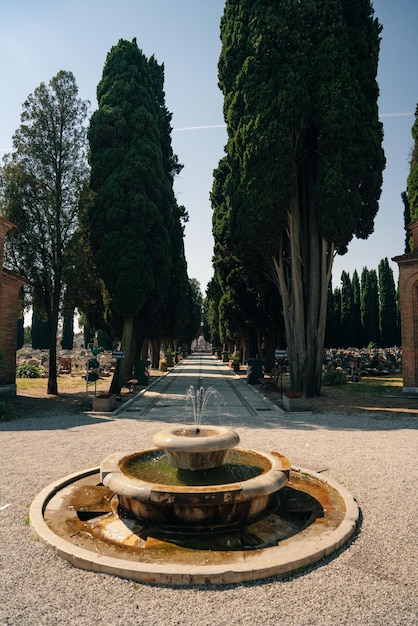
[(196, 502), (196, 448)]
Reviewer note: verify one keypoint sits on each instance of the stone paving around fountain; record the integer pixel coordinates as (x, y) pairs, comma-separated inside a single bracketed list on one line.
[(373, 580)]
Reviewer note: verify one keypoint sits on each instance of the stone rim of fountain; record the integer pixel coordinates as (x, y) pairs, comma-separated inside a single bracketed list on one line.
[(249, 497), (314, 544)]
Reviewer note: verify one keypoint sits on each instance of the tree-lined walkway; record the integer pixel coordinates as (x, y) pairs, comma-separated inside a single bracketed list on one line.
[(166, 399)]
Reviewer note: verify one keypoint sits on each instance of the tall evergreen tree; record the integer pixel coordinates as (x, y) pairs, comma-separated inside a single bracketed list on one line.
[(331, 330), (412, 186), (387, 305), (247, 297), (347, 312), (407, 220), (304, 149), (369, 305), (355, 283), (131, 219), (337, 314), (42, 181), (410, 197)]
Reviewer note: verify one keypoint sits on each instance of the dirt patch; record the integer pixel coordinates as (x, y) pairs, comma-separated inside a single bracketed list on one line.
[(73, 395)]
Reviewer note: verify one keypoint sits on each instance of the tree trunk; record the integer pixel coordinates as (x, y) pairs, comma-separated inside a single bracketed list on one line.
[(52, 375), (123, 371), (53, 327), (302, 273), (155, 343)]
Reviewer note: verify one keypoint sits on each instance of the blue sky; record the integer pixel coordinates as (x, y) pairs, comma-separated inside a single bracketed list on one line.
[(37, 39)]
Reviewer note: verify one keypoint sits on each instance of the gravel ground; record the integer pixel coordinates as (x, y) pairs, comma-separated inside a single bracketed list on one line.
[(371, 581)]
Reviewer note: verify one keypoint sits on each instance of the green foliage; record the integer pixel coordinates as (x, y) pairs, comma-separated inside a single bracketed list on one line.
[(389, 335), (371, 310), (369, 307), (67, 339), (347, 312), (304, 162), (334, 377), (412, 186), (41, 184), (6, 412), (236, 357), (28, 371), (133, 221), (39, 332), (131, 217), (320, 62)]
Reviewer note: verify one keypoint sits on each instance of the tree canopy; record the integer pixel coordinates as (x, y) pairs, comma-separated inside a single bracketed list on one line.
[(134, 220), (41, 183), (304, 151), (410, 197)]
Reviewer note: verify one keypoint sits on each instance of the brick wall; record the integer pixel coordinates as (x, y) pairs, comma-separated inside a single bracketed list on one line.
[(10, 285), (408, 295)]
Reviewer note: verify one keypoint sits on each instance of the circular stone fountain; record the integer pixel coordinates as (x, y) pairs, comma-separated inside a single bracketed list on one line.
[(194, 509)]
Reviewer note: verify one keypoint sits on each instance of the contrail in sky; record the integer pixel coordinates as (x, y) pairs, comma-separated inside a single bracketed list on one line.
[(406, 114), (199, 127)]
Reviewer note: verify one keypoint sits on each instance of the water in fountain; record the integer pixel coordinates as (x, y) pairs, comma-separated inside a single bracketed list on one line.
[(198, 398)]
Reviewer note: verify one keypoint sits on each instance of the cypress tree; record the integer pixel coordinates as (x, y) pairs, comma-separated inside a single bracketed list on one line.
[(355, 282), (347, 312), (369, 305), (337, 314), (331, 333), (387, 305), (304, 149), (131, 218), (412, 185)]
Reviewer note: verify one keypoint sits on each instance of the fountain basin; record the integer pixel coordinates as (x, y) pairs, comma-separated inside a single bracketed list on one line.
[(193, 507), (196, 447)]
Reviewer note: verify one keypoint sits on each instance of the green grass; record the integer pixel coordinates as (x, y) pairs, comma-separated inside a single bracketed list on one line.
[(65, 383), (378, 386)]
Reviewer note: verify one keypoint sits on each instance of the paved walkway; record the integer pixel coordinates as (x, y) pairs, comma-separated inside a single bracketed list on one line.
[(234, 403)]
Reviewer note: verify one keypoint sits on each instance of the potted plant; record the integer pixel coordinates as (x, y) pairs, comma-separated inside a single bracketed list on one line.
[(104, 402), (293, 401), (235, 360), (169, 357)]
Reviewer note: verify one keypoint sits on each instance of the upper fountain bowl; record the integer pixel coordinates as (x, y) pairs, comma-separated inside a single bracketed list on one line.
[(196, 448)]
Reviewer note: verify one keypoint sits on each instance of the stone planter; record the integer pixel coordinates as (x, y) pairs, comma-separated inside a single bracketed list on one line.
[(103, 403), (294, 403)]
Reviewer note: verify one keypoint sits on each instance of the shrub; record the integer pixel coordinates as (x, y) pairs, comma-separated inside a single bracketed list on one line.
[(28, 371), (334, 377), (6, 412)]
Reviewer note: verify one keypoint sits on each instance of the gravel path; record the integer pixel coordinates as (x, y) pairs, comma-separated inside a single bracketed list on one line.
[(372, 581)]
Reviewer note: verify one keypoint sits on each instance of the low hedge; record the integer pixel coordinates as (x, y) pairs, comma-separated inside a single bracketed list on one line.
[(334, 377)]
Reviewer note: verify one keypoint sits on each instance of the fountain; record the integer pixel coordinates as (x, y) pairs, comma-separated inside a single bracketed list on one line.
[(195, 508), (214, 486)]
